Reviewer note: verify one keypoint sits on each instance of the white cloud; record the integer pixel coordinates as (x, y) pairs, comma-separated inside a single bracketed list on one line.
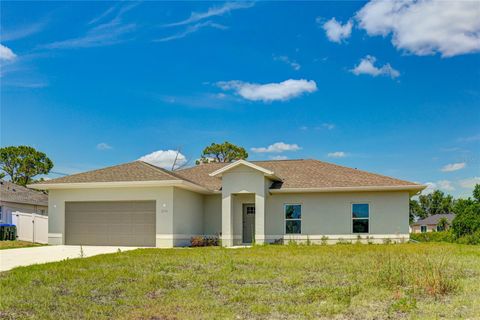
[(445, 185), (192, 29), (6, 53), (277, 147), (367, 66), (292, 63), (108, 33), (473, 138), (328, 126), (104, 146), (425, 27), (469, 183), (23, 31), (431, 186), (336, 32), (453, 167), (213, 11), (268, 92), (337, 154), (278, 157), (165, 159)]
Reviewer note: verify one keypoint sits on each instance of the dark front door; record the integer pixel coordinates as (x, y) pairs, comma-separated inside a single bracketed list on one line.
[(248, 223)]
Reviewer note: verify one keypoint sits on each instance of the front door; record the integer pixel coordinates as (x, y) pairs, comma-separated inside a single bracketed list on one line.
[(248, 223)]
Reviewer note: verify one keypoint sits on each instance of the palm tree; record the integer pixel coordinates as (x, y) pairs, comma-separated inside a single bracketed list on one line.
[(443, 224)]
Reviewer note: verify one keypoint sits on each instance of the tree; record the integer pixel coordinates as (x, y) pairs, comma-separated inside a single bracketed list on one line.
[(476, 193), (436, 203), (462, 204), (416, 211), (225, 152), (22, 163), (467, 222), (443, 224)]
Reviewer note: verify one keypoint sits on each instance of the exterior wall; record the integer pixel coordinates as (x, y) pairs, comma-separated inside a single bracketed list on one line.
[(238, 181), (162, 195), (188, 216), (329, 214), (430, 228), (9, 207), (212, 214)]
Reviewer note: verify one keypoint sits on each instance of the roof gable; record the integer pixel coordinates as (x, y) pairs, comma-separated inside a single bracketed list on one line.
[(238, 163)]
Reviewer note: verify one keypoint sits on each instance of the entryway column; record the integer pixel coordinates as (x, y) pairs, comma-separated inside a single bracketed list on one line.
[(259, 218), (227, 220)]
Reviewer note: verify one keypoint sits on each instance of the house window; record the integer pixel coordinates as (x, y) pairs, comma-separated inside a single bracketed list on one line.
[(1, 215), (250, 210), (423, 229), (293, 218), (360, 217)]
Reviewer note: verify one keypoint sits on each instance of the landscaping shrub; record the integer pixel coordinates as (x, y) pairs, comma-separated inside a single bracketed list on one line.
[(204, 241), (442, 236), (473, 238)]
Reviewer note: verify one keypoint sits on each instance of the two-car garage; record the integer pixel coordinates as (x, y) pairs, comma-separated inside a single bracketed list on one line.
[(112, 223)]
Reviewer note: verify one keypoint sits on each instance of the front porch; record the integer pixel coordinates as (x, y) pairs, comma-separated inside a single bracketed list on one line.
[(243, 219)]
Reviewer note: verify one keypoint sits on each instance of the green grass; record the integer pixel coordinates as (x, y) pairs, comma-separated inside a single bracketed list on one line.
[(17, 244), (403, 281)]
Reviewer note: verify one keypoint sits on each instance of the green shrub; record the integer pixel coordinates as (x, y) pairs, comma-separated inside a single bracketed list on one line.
[(442, 236), (470, 238)]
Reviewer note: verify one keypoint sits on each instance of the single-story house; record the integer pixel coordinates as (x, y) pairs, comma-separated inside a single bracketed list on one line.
[(14, 197), (431, 223), (139, 204)]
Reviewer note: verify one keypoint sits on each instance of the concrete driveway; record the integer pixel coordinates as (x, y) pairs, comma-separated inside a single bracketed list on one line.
[(11, 258)]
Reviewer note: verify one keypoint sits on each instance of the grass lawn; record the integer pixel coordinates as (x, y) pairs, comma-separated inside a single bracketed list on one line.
[(411, 281), (17, 244)]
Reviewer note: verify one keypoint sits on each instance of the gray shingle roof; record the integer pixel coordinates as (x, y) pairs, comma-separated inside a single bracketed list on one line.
[(132, 171), (433, 219), (293, 173), (12, 192), (299, 174)]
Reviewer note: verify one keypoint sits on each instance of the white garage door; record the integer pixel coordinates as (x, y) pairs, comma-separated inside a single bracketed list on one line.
[(110, 223)]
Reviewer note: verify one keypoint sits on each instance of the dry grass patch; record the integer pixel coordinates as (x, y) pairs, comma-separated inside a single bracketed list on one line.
[(17, 244), (274, 282)]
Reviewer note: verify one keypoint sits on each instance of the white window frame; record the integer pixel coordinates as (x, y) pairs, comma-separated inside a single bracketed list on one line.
[(426, 229), (352, 218), (285, 219)]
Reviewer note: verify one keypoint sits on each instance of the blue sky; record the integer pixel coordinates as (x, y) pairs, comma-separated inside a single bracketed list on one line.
[(388, 88)]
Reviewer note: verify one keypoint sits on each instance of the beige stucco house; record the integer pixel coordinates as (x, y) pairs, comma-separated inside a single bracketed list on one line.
[(139, 204), (431, 223), (14, 197)]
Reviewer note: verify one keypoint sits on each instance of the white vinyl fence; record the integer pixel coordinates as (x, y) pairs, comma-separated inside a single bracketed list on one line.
[(31, 227)]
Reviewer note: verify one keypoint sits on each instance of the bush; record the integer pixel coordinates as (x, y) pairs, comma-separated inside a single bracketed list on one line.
[(442, 236), (470, 238), (204, 241)]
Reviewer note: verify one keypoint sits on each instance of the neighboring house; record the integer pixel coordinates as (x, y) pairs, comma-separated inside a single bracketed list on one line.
[(17, 198), (139, 204), (430, 223)]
